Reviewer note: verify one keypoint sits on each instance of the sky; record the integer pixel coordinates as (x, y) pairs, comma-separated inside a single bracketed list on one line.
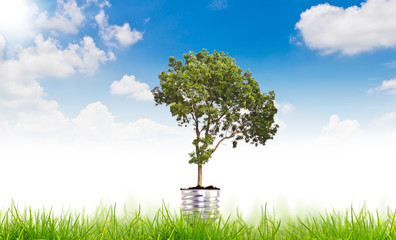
[(79, 127)]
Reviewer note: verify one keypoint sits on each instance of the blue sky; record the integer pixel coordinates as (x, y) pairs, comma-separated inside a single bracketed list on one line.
[(76, 74)]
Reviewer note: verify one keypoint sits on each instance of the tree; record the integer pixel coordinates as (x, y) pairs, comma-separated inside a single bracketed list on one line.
[(211, 92)]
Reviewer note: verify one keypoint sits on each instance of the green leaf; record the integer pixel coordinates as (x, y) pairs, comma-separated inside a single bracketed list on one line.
[(210, 91)]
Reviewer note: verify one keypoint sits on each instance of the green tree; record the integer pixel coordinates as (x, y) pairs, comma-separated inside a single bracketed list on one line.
[(213, 94)]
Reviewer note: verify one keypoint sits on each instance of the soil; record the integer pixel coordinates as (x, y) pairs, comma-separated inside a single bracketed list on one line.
[(210, 187)]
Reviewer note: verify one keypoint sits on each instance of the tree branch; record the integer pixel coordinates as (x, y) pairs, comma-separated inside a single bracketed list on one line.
[(224, 138), (196, 129), (202, 129), (207, 128), (198, 135), (218, 123), (208, 125), (193, 117)]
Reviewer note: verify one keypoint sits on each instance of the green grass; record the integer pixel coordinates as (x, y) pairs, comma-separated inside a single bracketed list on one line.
[(105, 224)]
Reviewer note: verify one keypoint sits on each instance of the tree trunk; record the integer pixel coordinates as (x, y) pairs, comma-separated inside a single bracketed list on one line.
[(200, 175)]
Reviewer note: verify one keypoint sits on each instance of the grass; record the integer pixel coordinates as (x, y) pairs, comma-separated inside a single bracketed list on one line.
[(105, 224)]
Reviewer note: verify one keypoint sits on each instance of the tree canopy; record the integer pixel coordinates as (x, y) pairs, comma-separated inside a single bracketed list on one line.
[(221, 101)]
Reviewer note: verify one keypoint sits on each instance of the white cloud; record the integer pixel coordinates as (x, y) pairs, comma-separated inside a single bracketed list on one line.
[(124, 35), (134, 89), (352, 30), (295, 40), (387, 86), (218, 4), (101, 18), (115, 35), (339, 128), (52, 122), (91, 56), (284, 108), (391, 64), (19, 90), (48, 58), (93, 123), (111, 56), (101, 4), (18, 85), (287, 108), (385, 118), (96, 122), (2, 46), (282, 124), (68, 17)]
